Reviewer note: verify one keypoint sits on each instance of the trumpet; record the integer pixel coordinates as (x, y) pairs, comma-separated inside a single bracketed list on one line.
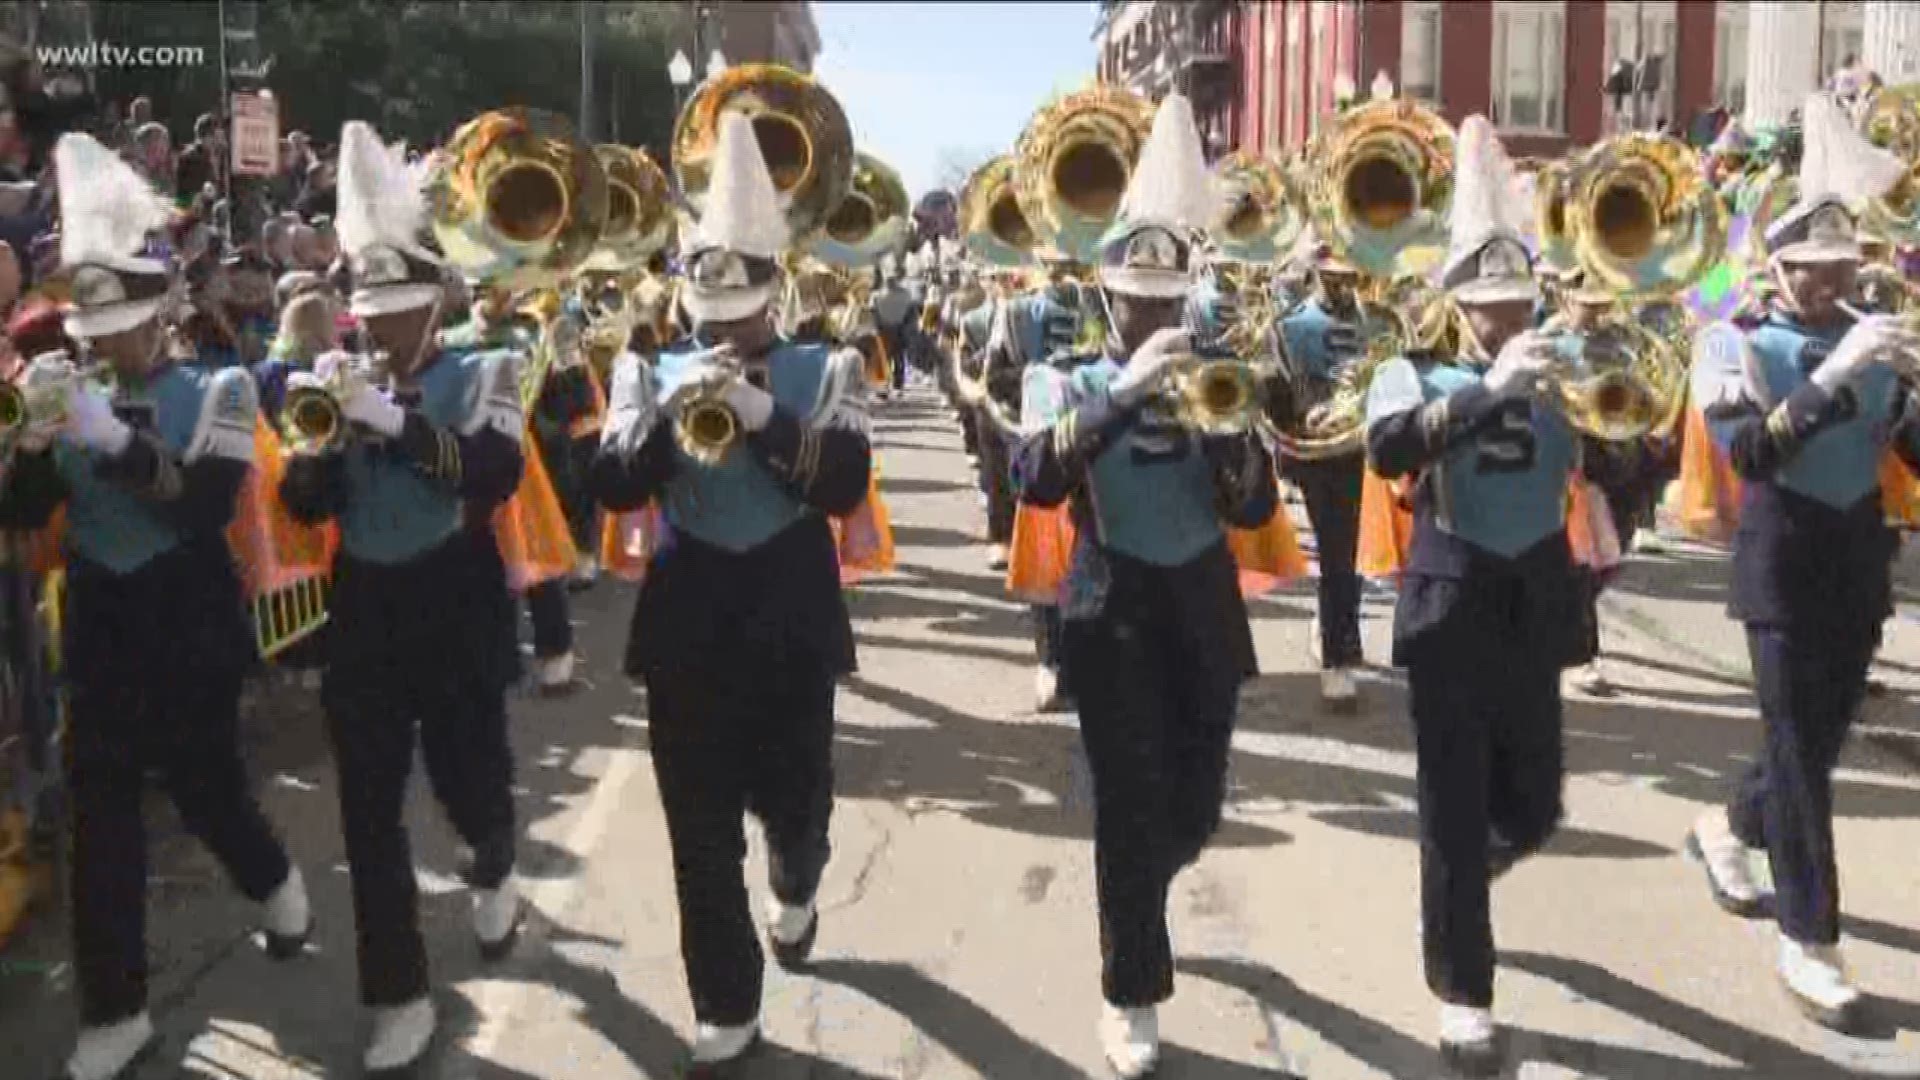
[(313, 417), (1218, 389), (40, 397), (704, 425)]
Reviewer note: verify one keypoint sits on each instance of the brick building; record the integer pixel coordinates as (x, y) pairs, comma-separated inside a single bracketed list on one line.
[(1265, 72)]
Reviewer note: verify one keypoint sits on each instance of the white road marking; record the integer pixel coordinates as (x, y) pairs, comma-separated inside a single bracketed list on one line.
[(496, 1002)]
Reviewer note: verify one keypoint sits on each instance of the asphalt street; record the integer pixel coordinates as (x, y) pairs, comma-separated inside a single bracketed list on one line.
[(958, 938)]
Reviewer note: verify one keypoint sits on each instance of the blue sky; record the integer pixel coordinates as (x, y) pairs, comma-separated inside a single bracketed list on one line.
[(925, 83)]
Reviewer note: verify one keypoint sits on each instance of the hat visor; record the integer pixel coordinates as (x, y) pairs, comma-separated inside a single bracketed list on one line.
[(110, 319), (1498, 291), (725, 305), (1819, 251), (393, 299), (1148, 284)]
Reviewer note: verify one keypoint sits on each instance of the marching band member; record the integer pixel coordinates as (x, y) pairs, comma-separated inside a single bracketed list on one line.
[(421, 631), (1156, 634), (1488, 599), (1320, 338), (741, 628), (155, 637), (1804, 404)]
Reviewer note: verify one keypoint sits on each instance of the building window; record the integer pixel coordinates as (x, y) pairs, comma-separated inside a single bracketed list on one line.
[(1730, 57), (1420, 51), (1636, 29), (1529, 66)]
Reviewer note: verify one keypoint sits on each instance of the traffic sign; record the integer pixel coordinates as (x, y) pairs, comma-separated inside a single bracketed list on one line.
[(256, 134)]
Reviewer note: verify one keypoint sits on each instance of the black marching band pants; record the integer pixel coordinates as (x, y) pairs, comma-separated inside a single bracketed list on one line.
[(422, 647), (996, 477), (1485, 699), (550, 610), (728, 742), (1331, 489), (142, 702), (1156, 734), (1810, 685)]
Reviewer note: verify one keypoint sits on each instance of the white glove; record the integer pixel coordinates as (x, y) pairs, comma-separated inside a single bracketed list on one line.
[(751, 404), (327, 367), (704, 370), (1871, 340), (630, 400), (1147, 368), (90, 422), (1523, 361), (304, 380), (370, 408)]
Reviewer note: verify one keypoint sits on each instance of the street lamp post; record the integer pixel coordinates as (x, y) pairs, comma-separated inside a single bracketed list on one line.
[(716, 63)]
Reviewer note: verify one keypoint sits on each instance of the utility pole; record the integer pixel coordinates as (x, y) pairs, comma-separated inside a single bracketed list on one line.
[(1639, 64), (588, 25), (1820, 43)]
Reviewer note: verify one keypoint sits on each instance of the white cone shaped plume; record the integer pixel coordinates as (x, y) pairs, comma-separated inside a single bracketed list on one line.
[(742, 212), (106, 208), (1837, 161), (1484, 202), (382, 201), (1171, 186)]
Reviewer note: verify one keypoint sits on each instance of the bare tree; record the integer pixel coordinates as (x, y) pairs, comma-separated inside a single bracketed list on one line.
[(953, 164)]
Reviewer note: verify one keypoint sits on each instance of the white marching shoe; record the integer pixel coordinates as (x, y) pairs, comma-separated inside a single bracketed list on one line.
[(997, 557), (1469, 1042), (716, 1045), (1728, 862), (400, 1037), (110, 1050), (287, 917), (1130, 1039), (1046, 690), (497, 915), (1592, 679), (556, 673), (1337, 690), (586, 571), (791, 930), (1817, 979)]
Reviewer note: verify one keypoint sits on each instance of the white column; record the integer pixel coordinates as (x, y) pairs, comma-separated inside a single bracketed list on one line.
[(1892, 31), (1782, 58)]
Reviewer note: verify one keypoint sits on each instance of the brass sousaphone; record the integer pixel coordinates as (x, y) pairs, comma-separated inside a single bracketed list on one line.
[(1073, 163), (802, 131), (807, 143), (1383, 186), (519, 200), (992, 225)]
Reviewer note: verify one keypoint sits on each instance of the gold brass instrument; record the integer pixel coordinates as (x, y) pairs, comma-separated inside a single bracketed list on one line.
[(312, 418), (1892, 121), (1618, 381), (640, 219), (1263, 214), (1221, 393), (1337, 425), (705, 426), (1073, 163), (518, 200), (1551, 184), (873, 220), (39, 397), (556, 339), (802, 132), (992, 225), (1383, 187), (1641, 216)]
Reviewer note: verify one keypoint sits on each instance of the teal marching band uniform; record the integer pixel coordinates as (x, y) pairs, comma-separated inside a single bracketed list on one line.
[(156, 638), (1155, 630), (1804, 409), (1321, 340), (741, 628), (1489, 604), (421, 627)]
